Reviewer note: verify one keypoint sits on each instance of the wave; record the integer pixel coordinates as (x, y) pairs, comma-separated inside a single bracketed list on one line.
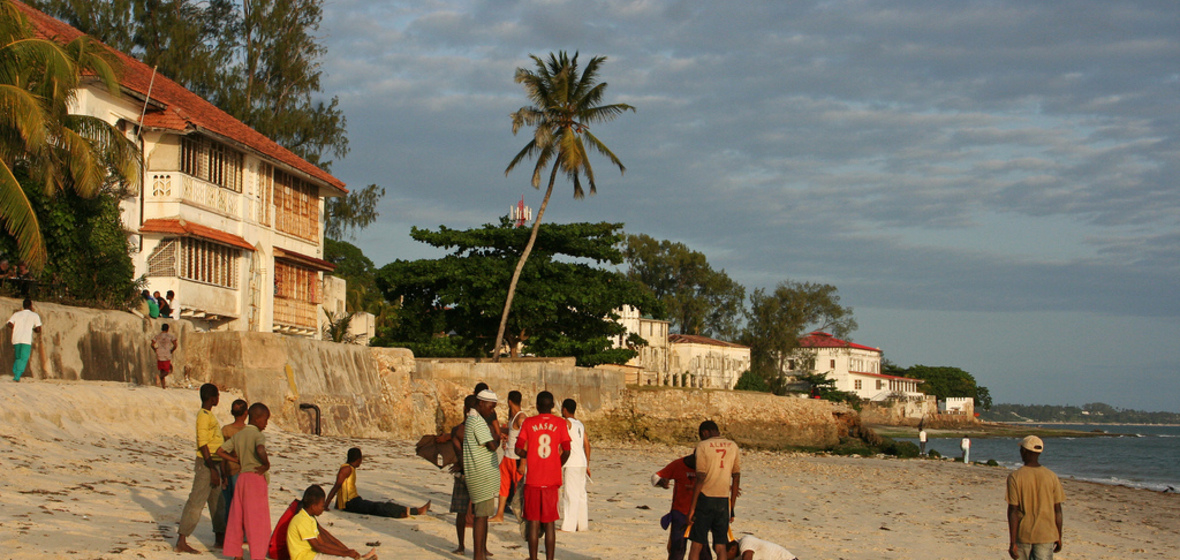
[(1116, 481)]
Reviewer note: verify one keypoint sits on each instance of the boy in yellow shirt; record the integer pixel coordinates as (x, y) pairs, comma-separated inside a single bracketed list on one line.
[(306, 540), (206, 488)]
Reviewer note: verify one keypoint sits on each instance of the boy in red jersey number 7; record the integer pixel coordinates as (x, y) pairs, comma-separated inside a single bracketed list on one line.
[(545, 443)]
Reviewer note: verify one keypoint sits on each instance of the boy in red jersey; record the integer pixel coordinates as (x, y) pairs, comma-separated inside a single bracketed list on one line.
[(545, 443)]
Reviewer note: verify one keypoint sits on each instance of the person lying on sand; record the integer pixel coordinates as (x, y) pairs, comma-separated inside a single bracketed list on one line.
[(306, 540), (348, 500), (750, 547)]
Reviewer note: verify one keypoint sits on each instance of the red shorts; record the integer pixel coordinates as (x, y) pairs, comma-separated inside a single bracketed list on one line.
[(165, 366), (540, 503), (508, 475)]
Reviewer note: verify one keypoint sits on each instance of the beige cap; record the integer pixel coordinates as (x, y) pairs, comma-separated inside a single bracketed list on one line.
[(1033, 443)]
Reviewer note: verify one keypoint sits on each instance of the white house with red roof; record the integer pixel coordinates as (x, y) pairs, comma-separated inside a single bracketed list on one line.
[(856, 368), (700, 361), (225, 217)]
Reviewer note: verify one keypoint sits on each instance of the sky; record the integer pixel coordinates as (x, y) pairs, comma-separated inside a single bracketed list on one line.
[(989, 184)]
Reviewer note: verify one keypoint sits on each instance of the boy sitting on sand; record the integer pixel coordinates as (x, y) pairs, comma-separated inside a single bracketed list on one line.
[(249, 515), (348, 500), (306, 540)]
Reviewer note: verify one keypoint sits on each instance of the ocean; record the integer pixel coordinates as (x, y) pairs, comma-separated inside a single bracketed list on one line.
[(1144, 457)]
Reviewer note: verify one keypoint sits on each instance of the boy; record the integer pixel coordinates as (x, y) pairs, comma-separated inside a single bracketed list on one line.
[(164, 344), (206, 488), (509, 471), (752, 548), (718, 486), (306, 540), (682, 472), (1034, 506), (348, 500), (481, 467), (249, 516), (230, 469), (23, 324), (575, 513), (541, 438)]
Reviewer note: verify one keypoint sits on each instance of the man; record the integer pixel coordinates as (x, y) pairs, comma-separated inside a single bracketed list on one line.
[(165, 307), (481, 467), (349, 500), (509, 465), (460, 498), (922, 440), (965, 446), (542, 436), (575, 509), (752, 548), (206, 488), (683, 473), (718, 486), (306, 540), (1034, 506), (23, 324), (164, 344)]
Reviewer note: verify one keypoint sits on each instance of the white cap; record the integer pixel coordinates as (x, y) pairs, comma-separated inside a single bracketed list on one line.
[(487, 395), (655, 479)]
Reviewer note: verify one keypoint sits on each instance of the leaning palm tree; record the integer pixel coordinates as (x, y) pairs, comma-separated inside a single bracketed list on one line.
[(40, 139), (565, 104)]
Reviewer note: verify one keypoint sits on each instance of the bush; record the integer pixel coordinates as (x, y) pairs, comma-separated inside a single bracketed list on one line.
[(902, 449), (934, 454), (992, 463), (752, 381)]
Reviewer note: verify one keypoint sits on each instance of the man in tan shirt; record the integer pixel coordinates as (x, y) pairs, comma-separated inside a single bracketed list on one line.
[(718, 479), (1034, 506)]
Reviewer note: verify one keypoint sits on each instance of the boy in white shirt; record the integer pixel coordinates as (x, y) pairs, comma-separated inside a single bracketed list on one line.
[(23, 324)]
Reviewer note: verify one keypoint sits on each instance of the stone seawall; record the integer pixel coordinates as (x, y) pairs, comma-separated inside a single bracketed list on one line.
[(77, 343)]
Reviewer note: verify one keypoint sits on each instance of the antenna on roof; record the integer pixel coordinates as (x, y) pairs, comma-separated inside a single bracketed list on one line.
[(139, 131)]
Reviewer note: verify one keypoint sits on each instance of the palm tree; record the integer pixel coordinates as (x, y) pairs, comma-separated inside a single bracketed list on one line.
[(40, 139), (565, 104)]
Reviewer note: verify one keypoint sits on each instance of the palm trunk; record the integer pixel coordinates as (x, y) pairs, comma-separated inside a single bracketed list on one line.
[(520, 266)]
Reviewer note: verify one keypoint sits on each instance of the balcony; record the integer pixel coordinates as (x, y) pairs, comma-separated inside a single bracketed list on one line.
[(292, 316), (176, 186)]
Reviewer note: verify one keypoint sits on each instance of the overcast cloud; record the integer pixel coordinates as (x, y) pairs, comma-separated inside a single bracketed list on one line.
[(990, 185)]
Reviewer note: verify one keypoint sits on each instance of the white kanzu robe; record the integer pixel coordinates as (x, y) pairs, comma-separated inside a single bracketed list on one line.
[(574, 506)]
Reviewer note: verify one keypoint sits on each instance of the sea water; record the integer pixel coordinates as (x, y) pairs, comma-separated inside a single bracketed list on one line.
[(1139, 456)]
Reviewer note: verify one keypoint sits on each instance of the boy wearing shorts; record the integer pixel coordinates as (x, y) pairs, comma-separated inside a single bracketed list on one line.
[(545, 443)]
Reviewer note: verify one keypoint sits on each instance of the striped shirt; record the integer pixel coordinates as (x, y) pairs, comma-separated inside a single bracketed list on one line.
[(481, 467)]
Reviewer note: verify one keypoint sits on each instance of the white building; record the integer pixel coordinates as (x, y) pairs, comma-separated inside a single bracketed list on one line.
[(652, 361), (854, 367), (226, 218), (700, 361), (957, 405)]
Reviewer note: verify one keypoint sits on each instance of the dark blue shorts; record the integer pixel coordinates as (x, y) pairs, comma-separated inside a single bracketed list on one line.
[(711, 516)]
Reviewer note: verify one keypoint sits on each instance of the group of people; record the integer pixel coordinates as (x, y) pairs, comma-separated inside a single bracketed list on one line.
[(153, 305), (531, 459), (542, 461)]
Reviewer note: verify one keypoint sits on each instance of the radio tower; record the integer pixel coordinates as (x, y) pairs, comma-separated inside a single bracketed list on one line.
[(519, 213)]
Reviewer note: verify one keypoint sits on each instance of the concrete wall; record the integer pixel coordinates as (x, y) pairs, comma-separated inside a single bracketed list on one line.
[(88, 344), (909, 412)]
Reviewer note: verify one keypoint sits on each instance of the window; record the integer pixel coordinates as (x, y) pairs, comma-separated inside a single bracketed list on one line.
[(880, 384), (197, 260), (791, 365), (296, 282), (833, 366), (210, 161), (857, 384), (297, 206)]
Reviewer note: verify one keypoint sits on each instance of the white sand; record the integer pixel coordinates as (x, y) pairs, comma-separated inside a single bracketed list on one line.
[(102, 470)]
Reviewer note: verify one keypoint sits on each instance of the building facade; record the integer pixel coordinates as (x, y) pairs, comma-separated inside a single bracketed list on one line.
[(699, 361), (854, 367), (651, 363), (225, 218)]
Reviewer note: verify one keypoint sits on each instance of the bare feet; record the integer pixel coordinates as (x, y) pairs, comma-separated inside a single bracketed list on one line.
[(425, 508), (182, 546), (459, 550), (497, 519)]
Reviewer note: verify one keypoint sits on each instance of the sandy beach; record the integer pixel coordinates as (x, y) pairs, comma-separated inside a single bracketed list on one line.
[(101, 470)]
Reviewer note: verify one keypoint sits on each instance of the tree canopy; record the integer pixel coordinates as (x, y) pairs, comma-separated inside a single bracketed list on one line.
[(697, 299), (777, 320), (566, 305), (944, 382)]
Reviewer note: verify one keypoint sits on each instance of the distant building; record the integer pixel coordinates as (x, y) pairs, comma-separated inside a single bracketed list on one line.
[(699, 361), (651, 364), (854, 367), (226, 218), (957, 405)]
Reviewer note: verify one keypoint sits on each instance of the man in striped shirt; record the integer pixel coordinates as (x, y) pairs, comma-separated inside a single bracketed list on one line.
[(481, 467)]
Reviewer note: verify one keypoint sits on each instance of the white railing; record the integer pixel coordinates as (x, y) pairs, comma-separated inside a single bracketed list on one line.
[(179, 186)]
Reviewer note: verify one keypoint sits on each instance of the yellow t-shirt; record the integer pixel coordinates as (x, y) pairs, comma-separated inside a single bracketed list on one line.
[(348, 489), (718, 458), (208, 434), (1035, 490), (302, 528)]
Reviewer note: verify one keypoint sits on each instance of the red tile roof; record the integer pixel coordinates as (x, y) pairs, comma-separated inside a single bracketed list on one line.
[(306, 260), (697, 339), (178, 226), (824, 340), (182, 109)]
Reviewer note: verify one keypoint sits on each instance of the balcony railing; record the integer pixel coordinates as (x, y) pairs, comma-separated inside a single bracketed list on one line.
[(295, 313), (179, 186)]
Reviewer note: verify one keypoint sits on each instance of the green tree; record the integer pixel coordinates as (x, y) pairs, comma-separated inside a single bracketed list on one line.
[(40, 141), (952, 382), (564, 105), (347, 214), (777, 320), (698, 299), (566, 307)]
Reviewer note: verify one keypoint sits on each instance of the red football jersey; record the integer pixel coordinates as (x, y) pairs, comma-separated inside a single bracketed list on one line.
[(543, 437)]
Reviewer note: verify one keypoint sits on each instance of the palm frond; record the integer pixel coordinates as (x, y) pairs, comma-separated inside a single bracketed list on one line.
[(20, 221), (22, 112)]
